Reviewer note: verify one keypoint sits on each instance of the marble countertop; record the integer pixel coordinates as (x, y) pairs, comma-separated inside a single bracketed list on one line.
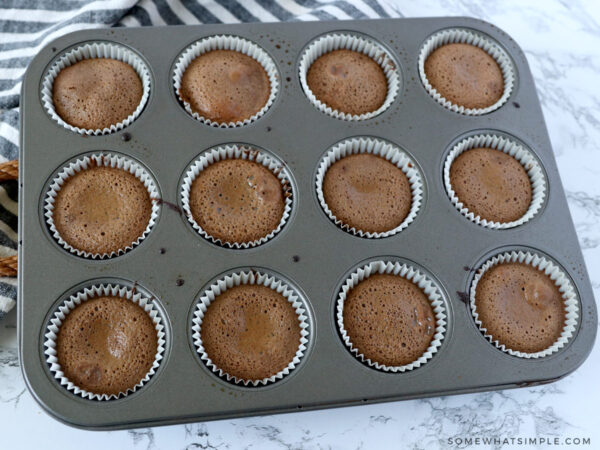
[(562, 43)]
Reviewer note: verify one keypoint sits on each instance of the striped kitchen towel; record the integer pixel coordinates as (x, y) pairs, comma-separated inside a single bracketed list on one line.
[(28, 25)]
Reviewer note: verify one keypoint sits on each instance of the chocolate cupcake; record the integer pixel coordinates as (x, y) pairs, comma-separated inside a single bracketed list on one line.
[(237, 196), (225, 81), (524, 304), (106, 345), (237, 200), (369, 187), (96, 93), (250, 328), (492, 184), (348, 76), (101, 206), (250, 332), (465, 75), (466, 71), (225, 86), (389, 320), (348, 81), (391, 316), (520, 307), (105, 341), (367, 192), (97, 88), (494, 181)]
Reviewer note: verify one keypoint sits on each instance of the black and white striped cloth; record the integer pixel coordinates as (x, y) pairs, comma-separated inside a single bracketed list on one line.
[(28, 25)]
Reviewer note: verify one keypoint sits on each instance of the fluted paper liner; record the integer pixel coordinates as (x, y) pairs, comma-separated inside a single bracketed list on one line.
[(412, 274), (95, 50), (561, 280), (88, 293), (362, 44), (223, 42), (248, 153), (256, 278), (521, 154), (97, 160), (464, 36), (387, 151)]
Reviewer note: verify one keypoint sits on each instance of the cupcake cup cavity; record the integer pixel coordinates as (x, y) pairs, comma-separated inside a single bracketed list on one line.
[(387, 151), (517, 151), (255, 278), (431, 290), (237, 152), (222, 42), (556, 274), (87, 293), (92, 51), (464, 36), (357, 43), (97, 160)]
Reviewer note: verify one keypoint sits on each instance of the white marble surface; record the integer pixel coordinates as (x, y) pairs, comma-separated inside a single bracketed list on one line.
[(562, 42)]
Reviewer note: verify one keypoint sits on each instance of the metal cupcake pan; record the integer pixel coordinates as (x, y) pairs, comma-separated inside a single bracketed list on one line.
[(175, 263)]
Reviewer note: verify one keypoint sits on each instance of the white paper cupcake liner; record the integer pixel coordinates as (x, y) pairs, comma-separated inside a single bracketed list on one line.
[(255, 278), (95, 50), (90, 292), (464, 36), (387, 151), (222, 42), (237, 152), (517, 151), (361, 44), (412, 274), (97, 160), (561, 280)]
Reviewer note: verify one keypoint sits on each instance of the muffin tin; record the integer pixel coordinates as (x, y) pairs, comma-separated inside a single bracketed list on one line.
[(174, 264)]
